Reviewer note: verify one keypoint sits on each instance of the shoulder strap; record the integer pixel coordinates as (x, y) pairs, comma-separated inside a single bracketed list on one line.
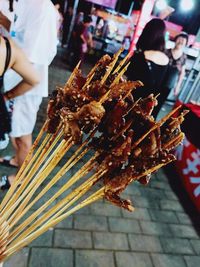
[(8, 54)]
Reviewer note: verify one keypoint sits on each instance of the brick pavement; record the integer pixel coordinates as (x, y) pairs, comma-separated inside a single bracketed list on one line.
[(158, 234)]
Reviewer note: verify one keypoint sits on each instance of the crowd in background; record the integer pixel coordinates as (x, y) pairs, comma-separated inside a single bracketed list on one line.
[(38, 33)]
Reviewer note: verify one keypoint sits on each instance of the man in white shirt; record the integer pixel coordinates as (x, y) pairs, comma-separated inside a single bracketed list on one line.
[(34, 27)]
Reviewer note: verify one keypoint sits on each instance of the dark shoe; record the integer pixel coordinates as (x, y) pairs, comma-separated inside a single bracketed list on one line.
[(4, 182), (6, 162)]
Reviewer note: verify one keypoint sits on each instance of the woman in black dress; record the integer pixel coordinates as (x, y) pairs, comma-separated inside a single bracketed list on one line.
[(149, 63)]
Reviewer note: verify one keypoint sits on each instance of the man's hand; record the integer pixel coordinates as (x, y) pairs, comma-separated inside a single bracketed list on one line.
[(4, 21)]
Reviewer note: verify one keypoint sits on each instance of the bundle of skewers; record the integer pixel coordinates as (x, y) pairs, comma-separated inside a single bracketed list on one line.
[(94, 118)]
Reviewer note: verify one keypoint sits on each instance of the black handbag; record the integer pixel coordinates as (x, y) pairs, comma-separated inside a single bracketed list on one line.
[(5, 119)]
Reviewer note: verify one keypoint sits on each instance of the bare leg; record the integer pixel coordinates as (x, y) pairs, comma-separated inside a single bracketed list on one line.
[(23, 145)]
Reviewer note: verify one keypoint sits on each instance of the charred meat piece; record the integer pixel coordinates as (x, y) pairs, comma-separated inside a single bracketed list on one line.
[(74, 100), (52, 124), (96, 91), (118, 201), (146, 105), (114, 119), (118, 155), (86, 119)]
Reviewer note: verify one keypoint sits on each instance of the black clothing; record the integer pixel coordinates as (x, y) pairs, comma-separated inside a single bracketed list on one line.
[(152, 75), (174, 70), (5, 119)]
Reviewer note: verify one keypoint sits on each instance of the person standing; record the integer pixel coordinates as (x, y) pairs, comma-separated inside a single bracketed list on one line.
[(12, 57), (177, 60), (35, 29), (149, 63), (81, 40)]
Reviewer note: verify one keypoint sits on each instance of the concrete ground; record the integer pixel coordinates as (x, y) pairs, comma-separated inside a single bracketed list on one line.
[(161, 232)]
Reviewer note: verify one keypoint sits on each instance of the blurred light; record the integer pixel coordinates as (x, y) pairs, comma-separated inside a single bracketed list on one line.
[(187, 5), (161, 4)]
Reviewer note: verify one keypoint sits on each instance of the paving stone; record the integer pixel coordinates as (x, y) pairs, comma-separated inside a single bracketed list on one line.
[(113, 241), (124, 225), (144, 243), (45, 240), (196, 245), (152, 193), (163, 216), (133, 189), (139, 213), (183, 231), (86, 222), (51, 257), (20, 259), (105, 209), (183, 218), (172, 205), (91, 258), (72, 239), (171, 195), (66, 224), (84, 211), (144, 202), (153, 228), (159, 184), (163, 260), (192, 261), (125, 259), (161, 176), (176, 245)]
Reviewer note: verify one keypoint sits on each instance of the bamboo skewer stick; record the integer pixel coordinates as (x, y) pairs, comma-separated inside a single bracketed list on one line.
[(78, 175), (121, 64), (70, 163), (42, 157), (92, 71), (82, 171), (99, 194), (30, 190), (18, 210), (116, 80), (87, 82), (26, 161), (158, 124), (111, 66), (68, 83), (72, 197)]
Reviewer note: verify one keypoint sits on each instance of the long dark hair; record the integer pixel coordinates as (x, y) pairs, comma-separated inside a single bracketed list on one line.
[(153, 36)]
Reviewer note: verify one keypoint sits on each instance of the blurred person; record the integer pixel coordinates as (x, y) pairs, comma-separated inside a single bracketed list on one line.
[(81, 41), (66, 25), (177, 60), (12, 57), (94, 17), (59, 20), (149, 63), (35, 29)]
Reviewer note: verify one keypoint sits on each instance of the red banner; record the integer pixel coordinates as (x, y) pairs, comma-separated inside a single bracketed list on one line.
[(188, 168)]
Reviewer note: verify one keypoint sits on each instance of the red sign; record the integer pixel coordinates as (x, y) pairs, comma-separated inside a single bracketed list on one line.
[(188, 167), (107, 3), (173, 29)]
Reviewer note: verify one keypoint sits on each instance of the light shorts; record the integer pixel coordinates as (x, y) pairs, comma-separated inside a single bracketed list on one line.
[(24, 114)]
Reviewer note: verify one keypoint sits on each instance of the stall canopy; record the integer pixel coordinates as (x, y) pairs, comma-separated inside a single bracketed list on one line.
[(106, 3)]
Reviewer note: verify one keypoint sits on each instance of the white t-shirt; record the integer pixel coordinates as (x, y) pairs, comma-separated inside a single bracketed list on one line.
[(35, 30)]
